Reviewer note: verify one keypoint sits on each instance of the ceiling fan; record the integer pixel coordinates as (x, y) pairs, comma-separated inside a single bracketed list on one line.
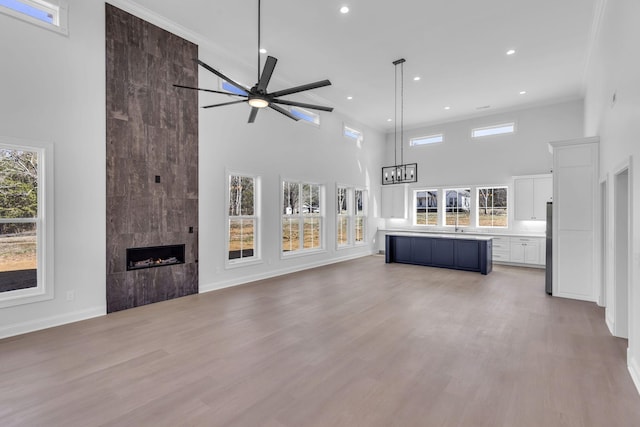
[(257, 96)]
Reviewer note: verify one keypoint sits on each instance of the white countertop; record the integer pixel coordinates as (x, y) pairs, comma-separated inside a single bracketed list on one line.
[(460, 234), (463, 236)]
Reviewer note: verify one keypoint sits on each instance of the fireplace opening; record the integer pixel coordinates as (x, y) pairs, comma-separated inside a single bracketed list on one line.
[(155, 256)]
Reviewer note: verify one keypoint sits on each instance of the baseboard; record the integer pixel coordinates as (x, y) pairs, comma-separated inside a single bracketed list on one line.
[(50, 322), (610, 324), (267, 275), (634, 370)]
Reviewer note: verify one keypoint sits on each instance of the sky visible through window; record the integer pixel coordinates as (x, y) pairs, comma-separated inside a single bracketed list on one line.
[(28, 10)]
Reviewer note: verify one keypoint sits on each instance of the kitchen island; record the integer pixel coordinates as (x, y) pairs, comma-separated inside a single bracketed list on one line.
[(459, 252)]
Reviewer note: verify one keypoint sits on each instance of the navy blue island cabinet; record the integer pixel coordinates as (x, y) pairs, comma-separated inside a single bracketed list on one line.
[(470, 254)]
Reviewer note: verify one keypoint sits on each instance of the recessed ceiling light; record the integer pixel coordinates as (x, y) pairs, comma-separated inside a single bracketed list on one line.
[(344, 9), (447, 108), (263, 50), (389, 120), (523, 92), (349, 98), (511, 51), (416, 78)]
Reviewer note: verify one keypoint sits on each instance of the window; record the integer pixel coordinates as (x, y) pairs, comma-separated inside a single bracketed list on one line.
[(344, 217), (50, 15), (352, 133), (352, 216), (26, 239), (242, 222), (306, 115), (458, 207), (302, 217), (493, 130), (360, 204), (492, 207), (424, 140), (426, 207)]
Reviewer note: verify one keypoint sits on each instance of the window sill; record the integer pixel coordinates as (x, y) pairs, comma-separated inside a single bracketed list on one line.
[(230, 265), (301, 253)]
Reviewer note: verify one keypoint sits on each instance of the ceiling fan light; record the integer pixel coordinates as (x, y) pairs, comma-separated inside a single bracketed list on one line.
[(258, 102)]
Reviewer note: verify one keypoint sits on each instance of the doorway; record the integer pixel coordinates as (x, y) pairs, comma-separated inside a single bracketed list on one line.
[(621, 252)]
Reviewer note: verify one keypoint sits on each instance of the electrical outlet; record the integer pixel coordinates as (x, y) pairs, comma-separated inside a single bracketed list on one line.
[(71, 295)]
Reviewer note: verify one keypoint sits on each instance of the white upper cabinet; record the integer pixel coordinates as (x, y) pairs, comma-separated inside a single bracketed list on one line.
[(531, 194), (394, 201)]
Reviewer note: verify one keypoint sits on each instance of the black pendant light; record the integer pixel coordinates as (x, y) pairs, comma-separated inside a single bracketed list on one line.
[(399, 173)]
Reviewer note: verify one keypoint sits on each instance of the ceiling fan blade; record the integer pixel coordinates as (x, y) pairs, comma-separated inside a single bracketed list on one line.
[(253, 114), (302, 104), (226, 103), (283, 111), (266, 73), (222, 76), (208, 90), (302, 88)]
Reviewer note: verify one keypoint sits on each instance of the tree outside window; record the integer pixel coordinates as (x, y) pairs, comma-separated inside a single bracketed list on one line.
[(426, 207), (242, 217), (18, 219), (301, 217), (457, 207), (342, 228), (492, 207), (360, 216)]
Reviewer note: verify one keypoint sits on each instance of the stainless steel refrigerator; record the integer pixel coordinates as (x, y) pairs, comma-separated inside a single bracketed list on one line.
[(549, 250)]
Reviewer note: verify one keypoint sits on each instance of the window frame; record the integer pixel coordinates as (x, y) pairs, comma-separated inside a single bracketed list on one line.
[(364, 216), (413, 141), (302, 251), (59, 8), (352, 133), (477, 206), (445, 207), (256, 258), (496, 126), (304, 115), (44, 289), (348, 216), (415, 206)]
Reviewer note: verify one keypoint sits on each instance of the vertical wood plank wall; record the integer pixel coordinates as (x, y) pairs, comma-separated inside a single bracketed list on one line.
[(152, 130)]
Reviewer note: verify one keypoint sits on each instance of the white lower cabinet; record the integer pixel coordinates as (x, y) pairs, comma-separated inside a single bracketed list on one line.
[(519, 250), (500, 249), (524, 250)]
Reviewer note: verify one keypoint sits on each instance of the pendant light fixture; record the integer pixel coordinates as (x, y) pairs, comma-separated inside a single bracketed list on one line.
[(399, 173)]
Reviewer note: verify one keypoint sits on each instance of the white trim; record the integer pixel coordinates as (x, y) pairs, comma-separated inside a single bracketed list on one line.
[(45, 288), (429, 138), (634, 370), (59, 8), (257, 195), (52, 321), (477, 207), (496, 126), (322, 201), (414, 199)]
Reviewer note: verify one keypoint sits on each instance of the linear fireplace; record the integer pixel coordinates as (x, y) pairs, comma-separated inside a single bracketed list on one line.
[(154, 256)]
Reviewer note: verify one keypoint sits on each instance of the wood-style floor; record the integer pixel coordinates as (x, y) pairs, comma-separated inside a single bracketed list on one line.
[(360, 343)]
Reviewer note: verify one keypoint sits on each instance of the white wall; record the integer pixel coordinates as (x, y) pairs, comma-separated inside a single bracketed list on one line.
[(276, 148), (461, 161), (53, 89), (614, 69)]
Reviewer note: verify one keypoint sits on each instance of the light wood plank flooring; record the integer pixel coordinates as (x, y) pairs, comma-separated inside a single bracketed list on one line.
[(359, 343)]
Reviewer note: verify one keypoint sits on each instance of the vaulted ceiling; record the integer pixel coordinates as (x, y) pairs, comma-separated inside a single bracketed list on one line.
[(457, 48)]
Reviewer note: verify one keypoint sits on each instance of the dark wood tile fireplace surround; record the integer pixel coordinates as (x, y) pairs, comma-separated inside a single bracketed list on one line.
[(152, 159)]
